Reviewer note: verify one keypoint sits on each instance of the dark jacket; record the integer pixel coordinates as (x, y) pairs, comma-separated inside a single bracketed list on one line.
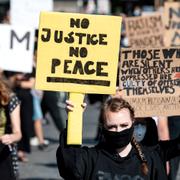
[(101, 163)]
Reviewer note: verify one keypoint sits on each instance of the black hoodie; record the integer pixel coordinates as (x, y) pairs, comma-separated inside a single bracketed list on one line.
[(102, 163)]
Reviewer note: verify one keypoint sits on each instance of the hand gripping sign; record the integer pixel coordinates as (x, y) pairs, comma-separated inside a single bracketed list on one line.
[(77, 53)]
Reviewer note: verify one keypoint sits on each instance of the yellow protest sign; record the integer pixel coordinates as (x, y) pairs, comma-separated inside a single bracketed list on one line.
[(78, 52)]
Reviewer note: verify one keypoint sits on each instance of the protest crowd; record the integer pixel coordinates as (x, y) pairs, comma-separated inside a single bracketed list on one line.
[(123, 54)]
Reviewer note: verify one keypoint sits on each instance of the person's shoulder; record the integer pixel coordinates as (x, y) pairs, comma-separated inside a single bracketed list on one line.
[(14, 102), (14, 97)]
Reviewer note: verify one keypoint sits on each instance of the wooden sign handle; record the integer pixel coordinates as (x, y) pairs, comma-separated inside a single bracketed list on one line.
[(75, 120)]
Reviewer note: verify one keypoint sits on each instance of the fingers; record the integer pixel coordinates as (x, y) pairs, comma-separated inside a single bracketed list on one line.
[(70, 106), (119, 93), (6, 139), (84, 105)]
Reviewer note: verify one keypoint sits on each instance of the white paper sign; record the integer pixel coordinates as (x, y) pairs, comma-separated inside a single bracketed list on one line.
[(26, 12), (16, 48)]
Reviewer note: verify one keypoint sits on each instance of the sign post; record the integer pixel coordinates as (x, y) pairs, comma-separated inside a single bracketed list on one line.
[(75, 122)]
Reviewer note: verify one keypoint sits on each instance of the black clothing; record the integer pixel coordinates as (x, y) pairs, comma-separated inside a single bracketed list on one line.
[(54, 103), (8, 159), (151, 136), (101, 163), (174, 130), (26, 113), (6, 165)]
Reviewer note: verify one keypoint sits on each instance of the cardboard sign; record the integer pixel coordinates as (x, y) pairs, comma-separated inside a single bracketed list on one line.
[(172, 23), (16, 48), (78, 52), (145, 31), (27, 12), (150, 80)]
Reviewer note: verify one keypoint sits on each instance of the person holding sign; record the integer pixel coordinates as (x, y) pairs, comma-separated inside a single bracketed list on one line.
[(118, 155)]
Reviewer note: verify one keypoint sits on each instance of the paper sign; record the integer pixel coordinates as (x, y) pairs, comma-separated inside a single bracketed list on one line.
[(16, 48), (145, 31), (78, 52), (150, 80), (172, 23), (27, 12)]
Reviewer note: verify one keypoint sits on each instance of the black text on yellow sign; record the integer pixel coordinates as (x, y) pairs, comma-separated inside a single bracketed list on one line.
[(82, 55), (75, 67)]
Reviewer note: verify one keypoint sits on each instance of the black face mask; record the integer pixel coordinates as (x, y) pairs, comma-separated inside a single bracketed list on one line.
[(118, 139)]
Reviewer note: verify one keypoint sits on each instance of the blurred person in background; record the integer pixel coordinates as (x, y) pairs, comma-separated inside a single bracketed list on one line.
[(4, 13), (54, 104), (37, 118), (22, 85), (10, 131), (145, 131), (174, 130), (163, 133), (37, 113)]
